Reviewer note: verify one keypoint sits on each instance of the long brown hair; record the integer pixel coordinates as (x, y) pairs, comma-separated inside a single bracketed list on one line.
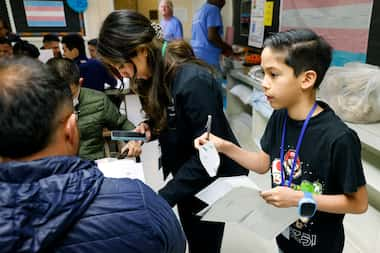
[(179, 52), (125, 32)]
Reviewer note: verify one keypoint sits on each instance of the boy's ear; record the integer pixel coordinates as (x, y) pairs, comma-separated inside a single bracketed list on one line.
[(309, 78)]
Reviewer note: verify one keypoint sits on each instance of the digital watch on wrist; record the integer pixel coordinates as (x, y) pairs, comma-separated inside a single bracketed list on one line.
[(307, 206)]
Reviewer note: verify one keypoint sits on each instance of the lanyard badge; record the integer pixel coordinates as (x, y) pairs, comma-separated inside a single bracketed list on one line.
[(282, 147)]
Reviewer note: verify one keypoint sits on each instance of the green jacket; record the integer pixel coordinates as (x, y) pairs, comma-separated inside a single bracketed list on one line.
[(96, 111)]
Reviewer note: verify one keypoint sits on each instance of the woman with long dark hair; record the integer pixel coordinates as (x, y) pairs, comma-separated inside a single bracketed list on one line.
[(178, 92)]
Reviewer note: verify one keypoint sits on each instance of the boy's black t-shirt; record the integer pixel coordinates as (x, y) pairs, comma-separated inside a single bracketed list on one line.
[(329, 162)]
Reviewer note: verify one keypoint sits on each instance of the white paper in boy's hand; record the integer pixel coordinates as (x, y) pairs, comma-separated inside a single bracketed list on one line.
[(209, 157)]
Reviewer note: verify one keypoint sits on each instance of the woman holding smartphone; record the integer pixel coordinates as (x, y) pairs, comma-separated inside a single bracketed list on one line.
[(178, 92)]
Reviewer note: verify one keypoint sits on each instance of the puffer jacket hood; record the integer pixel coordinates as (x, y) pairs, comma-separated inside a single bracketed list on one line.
[(41, 199)]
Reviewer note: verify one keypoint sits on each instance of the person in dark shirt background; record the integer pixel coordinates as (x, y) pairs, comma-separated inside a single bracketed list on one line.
[(51, 41), (178, 93), (93, 72), (91, 46)]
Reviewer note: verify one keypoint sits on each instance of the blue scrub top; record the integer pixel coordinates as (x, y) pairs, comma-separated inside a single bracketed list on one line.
[(207, 16), (172, 29)]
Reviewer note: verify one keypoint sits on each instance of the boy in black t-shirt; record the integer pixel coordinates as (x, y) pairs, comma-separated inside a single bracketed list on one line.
[(305, 145)]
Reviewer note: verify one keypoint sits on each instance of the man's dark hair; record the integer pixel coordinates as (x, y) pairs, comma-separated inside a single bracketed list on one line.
[(93, 42), (75, 41), (23, 47), (5, 41), (32, 98), (66, 69), (50, 37), (304, 49)]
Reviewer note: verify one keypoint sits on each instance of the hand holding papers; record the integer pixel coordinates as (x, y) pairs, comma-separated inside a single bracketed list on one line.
[(238, 200), (125, 168)]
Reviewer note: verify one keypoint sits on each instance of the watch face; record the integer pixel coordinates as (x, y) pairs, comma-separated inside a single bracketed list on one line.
[(307, 209)]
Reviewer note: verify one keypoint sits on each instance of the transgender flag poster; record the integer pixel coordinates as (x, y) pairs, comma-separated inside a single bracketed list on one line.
[(45, 13), (345, 24)]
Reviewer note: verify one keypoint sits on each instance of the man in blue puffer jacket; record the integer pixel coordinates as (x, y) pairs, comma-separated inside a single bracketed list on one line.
[(51, 200)]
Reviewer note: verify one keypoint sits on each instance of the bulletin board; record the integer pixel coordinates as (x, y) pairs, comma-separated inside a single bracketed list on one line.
[(36, 18)]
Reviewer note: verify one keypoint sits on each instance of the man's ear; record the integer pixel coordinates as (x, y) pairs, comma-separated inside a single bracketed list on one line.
[(81, 80), (309, 77), (71, 134), (76, 51)]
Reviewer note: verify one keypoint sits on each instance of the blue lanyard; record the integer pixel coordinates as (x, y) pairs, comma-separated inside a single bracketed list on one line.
[(300, 137)]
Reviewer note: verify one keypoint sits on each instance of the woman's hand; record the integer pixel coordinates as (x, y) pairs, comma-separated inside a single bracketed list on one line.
[(218, 142), (133, 148), (144, 129)]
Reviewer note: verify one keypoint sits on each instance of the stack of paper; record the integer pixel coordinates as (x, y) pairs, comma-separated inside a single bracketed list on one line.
[(238, 200), (123, 168)]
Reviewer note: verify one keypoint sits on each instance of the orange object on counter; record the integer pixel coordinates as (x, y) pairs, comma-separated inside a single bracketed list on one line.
[(253, 59)]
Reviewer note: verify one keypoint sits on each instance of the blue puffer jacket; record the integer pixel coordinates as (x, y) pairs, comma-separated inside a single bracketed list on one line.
[(64, 204)]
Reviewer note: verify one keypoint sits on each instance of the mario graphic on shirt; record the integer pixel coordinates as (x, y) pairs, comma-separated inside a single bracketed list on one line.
[(288, 162)]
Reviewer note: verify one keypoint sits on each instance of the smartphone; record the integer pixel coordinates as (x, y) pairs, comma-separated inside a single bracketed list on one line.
[(127, 136)]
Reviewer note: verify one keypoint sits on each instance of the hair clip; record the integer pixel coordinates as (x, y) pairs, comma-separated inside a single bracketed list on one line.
[(157, 30)]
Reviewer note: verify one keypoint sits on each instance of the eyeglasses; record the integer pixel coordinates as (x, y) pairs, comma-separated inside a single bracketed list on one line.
[(76, 114)]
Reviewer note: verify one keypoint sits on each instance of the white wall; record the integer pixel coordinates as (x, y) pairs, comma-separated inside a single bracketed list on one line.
[(95, 14)]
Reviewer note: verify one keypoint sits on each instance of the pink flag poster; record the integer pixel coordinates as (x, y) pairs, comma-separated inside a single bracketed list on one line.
[(345, 24), (45, 13)]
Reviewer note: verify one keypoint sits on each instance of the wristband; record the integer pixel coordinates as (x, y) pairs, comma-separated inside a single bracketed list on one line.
[(307, 206)]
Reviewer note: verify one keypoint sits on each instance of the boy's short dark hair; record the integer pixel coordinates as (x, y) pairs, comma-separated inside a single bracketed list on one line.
[(24, 48), (50, 37), (66, 69), (93, 42), (74, 41), (304, 49), (31, 99)]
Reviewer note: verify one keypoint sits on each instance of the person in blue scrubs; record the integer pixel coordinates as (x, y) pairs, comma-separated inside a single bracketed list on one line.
[(207, 32), (170, 24)]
